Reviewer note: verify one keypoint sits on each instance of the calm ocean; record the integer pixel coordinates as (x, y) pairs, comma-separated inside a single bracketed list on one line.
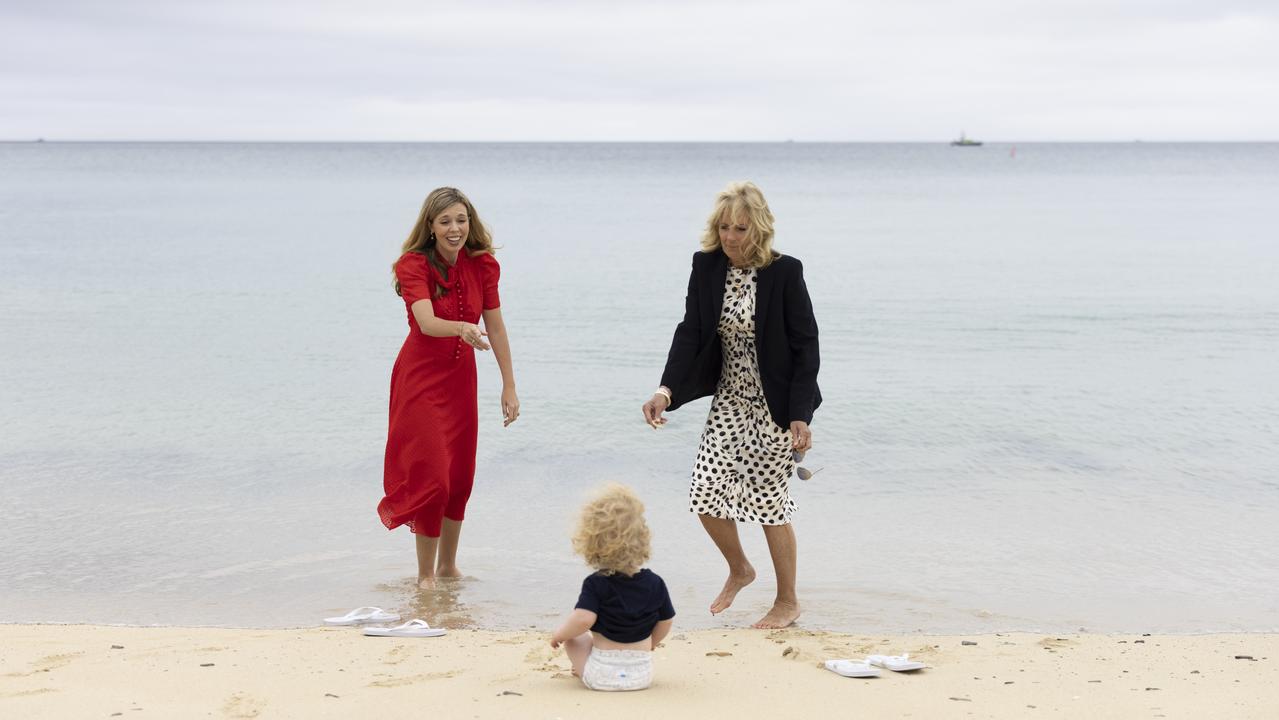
[(1050, 377)]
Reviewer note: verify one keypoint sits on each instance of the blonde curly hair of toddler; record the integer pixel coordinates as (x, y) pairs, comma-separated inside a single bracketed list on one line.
[(611, 534)]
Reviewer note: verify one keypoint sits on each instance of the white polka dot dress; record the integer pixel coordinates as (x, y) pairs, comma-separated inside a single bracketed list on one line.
[(744, 462)]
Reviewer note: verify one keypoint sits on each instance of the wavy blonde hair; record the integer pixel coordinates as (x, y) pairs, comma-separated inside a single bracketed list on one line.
[(422, 241), (743, 201), (611, 533)]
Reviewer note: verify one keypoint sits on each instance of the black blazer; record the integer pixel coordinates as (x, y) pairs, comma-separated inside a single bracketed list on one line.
[(785, 338)]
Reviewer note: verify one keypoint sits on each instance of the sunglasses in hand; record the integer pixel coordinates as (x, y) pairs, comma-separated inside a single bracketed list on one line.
[(803, 472)]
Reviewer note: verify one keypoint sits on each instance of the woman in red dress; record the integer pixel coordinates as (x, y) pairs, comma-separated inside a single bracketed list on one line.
[(448, 277)]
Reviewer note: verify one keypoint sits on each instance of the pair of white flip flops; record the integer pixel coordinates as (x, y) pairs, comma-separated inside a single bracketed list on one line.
[(412, 629), (872, 664)]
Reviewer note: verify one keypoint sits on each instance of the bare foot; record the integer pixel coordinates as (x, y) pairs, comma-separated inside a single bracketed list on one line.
[(448, 572), (426, 582), (783, 614), (735, 582)]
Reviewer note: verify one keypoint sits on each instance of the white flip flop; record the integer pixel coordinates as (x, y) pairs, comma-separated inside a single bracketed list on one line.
[(412, 629), (851, 669), (896, 663), (363, 615)]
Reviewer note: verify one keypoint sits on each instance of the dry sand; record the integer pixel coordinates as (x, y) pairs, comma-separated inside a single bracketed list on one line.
[(75, 671)]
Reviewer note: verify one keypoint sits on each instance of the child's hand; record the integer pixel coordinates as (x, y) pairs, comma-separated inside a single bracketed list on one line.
[(555, 644)]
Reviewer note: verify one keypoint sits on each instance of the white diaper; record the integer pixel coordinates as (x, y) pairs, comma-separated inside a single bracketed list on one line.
[(618, 670)]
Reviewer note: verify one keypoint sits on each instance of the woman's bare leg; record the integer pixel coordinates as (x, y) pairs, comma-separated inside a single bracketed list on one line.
[(740, 573), (783, 548), (426, 547), (446, 565)]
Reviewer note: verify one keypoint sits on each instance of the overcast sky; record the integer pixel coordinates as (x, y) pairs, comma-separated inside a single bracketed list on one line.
[(805, 70)]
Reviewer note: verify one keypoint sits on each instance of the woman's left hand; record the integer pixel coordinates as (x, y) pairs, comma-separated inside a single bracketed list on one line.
[(510, 406), (801, 436)]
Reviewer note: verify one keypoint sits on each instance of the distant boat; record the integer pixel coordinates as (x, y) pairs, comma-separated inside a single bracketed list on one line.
[(965, 141)]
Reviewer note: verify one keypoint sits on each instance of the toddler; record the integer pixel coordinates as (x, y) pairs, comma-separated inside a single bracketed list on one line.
[(624, 610)]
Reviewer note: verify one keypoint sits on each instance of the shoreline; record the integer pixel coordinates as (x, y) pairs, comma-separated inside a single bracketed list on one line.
[(55, 671)]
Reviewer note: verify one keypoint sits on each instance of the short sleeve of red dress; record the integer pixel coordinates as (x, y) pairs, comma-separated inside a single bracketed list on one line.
[(414, 277), (490, 271)]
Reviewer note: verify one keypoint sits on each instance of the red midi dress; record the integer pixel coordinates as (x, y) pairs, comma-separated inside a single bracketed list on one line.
[(434, 419)]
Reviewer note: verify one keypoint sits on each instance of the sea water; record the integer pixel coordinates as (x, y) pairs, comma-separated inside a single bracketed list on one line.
[(1051, 397)]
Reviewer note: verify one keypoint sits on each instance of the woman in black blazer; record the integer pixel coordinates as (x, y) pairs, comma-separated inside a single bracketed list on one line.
[(749, 338)]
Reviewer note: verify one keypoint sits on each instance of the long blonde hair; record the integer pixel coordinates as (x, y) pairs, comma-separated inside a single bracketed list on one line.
[(743, 200), (421, 240), (611, 533)]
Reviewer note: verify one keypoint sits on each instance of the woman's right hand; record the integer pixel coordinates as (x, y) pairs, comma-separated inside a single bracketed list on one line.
[(472, 335), (653, 410)]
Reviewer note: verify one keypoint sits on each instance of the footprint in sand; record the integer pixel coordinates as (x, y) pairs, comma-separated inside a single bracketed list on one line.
[(397, 655), (410, 679), (47, 664), (924, 654), (241, 705), (1054, 643), (849, 651), (544, 659), (28, 693), (539, 655)]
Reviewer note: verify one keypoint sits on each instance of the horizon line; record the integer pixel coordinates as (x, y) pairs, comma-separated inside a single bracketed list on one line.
[(1131, 141)]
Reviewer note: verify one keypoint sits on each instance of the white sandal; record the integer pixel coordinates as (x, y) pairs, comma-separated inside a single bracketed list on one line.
[(851, 669), (363, 615), (896, 663), (412, 629)]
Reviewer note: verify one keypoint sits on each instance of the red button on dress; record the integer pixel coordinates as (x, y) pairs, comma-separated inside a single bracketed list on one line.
[(430, 444)]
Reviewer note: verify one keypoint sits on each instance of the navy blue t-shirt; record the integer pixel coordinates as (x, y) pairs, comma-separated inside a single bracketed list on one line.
[(627, 607)]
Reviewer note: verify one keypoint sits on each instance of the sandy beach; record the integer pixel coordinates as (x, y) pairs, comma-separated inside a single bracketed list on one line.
[(75, 671)]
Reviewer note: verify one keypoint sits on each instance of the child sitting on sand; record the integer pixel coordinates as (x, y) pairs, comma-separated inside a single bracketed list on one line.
[(624, 610)]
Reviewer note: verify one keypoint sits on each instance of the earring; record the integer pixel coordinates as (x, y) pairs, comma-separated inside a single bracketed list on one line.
[(431, 237)]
